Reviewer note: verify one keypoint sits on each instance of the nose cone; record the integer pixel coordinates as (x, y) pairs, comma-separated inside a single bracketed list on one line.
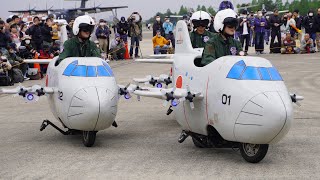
[(91, 109), (264, 118)]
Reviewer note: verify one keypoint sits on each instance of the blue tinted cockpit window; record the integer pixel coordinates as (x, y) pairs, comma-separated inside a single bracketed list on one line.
[(275, 75), (91, 71), (106, 65), (264, 73), (251, 73), (73, 69), (102, 71), (240, 71), (80, 71)]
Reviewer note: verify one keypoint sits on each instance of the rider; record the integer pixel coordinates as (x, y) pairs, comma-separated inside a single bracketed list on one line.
[(80, 45), (223, 43), (200, 36)]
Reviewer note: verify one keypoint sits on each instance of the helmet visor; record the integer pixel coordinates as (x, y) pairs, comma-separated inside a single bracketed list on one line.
[(200, 23), (231, 22), (86, 27)]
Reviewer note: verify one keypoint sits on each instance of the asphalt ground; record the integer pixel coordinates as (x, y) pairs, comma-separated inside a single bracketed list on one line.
[(145, 145)]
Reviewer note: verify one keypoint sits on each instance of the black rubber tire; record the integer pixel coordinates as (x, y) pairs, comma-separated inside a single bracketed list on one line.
[(258, 156), (198, 144), (88, 138)]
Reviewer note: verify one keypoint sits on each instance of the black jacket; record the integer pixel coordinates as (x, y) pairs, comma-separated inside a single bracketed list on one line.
[(123, 28), (309, 25), (5, 39), (240, 28), (317, 22), (275, 19), (46, 33), (35, 33), (158, 26), (298, 22)]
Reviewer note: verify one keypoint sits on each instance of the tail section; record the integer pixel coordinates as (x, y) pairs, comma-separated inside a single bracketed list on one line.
[(183, 42)]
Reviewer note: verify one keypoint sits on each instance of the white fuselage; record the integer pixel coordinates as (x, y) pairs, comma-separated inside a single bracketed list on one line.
[(86, 93), (241, 110)]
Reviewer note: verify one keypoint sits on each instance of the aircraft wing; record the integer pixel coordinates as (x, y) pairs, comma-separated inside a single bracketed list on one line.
[(35, 89), (97, 9), (159, 61), (160, 93), (40, 61), (31, 11)]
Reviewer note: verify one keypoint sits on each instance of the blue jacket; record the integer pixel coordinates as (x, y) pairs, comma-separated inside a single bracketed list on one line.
[(168, 27), (257, 25), (105, 32)]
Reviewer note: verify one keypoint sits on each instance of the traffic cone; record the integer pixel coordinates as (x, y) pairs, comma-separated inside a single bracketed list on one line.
[(126, 55)]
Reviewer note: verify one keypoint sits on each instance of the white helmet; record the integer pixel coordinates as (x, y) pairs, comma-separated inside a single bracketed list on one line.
[(200, 18), (85, 22), (223, 17)]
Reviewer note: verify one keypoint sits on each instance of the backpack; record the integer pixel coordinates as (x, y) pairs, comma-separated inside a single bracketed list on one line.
[(5, 79), (17, 75), (34, 74)]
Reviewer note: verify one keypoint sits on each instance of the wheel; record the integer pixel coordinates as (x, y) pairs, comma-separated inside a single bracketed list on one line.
[(253, 153), (202, 144), (88, 138)]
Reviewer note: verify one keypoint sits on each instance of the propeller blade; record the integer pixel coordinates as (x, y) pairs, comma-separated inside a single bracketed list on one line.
[(192, 105), (138, 98), (165, 103)]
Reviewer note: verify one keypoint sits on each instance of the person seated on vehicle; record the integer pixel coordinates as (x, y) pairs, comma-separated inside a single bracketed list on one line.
[(160, 44), (16, 61), (80, 45), (200, 36), (117, 48), (222, 43), (307, 44), (289, 45)]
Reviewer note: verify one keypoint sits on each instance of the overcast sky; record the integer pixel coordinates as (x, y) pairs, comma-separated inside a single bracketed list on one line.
[(147, 8)]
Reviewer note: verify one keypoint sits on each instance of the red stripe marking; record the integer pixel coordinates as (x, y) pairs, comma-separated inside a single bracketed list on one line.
[(207, 100)]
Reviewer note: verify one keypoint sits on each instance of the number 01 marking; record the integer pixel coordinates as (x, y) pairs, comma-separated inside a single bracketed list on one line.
[(226, 99)]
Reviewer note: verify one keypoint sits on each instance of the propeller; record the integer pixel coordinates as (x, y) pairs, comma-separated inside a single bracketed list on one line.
[(166, 79), (124, 91), (170, 97), (295, 99), (190, 97)]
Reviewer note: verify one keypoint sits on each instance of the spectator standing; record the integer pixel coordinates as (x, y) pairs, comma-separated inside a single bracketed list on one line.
[(291, 23), (47, 33), (102, 34), (298, 20), (310, 26), (135, 33), (22, 33), (259, 28), (244, 29), (36, 35), (267, 30), (275, 24), (158, 25), (317, 22), (252, 34), (123, 29), (168, 31), (15, 19)]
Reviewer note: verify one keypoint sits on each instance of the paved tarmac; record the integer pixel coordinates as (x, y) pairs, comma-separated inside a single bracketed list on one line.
[(145, 146)]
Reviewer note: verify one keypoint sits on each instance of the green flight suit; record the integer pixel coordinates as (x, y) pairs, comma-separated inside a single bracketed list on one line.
[(217, 47), (74, 48), (200, 40)]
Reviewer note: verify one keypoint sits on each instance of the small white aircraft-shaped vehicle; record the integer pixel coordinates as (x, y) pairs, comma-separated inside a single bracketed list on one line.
[(235, 101), (82, 93)]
